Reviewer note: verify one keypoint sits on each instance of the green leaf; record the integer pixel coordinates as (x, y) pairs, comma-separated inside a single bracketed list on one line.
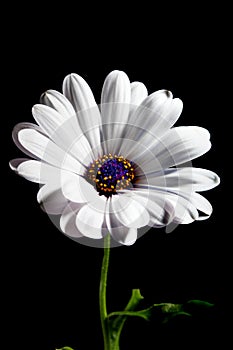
[(198, 308), (146, 314), (200, 303), (163, 310), (65, 348)]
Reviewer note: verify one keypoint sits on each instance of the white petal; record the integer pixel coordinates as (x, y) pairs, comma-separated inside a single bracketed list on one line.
[(43, 148), (177, 146), (51, 199), (68, 220), (204, 179), (90, 221), (129, 211), (182, 144), (48, 118), (138, 93), (78, 92), (38, 172), (119, 232), (193, 201), (184, 203), (169, 117), (15, 136), (185, 211), (157, 98), (147, 126), (160, 210), (66, 133), (59, 102), (77, 189), (189, 204), (202, 204), (116, 88), (150, 108), (80, 95), (177, 206), (193, 179), (14, 163), (115, 103)]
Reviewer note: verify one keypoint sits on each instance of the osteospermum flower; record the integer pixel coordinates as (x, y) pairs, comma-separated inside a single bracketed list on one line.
[(113, 168)]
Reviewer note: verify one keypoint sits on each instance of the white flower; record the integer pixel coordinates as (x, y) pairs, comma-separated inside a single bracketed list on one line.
[(112, 169)]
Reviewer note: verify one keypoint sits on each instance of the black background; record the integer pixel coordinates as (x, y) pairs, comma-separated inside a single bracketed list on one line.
[(50, 282)]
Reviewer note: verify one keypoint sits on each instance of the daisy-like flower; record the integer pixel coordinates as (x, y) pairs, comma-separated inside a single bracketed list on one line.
[(116, 167)]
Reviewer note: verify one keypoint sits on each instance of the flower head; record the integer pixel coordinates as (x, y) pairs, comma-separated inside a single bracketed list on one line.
[(116, 167)]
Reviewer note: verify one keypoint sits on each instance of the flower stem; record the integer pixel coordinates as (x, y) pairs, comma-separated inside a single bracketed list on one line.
[(102, 292)]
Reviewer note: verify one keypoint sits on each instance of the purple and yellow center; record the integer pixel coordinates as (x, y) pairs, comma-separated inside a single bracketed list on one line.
[(110, 174)]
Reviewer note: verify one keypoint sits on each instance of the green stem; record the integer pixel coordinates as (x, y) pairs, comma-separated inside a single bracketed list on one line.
[(102, 292)]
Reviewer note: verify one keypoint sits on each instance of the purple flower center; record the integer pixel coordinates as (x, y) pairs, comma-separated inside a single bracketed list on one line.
[(110, 174)]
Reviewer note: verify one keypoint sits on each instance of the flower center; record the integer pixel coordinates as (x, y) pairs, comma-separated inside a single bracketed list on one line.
[(110, 174)]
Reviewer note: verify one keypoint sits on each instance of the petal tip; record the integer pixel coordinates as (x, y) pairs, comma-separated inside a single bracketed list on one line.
[(45, 95), (11, 165), (168, 93), (216, 179)]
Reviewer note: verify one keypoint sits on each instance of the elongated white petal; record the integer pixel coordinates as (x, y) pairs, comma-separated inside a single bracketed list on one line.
[(156, 99), (80, 95), (115, 103), (151, 107), (38, 172), (14, 163), (193, 179), (68, 220), (116, 88), (119, 232), (148, 126), (130, 212), (15, 136), (203, 179), (43, 148), (184, 211), (90, 221), (51, 199), (168, 117), (66, 133), (182, 144), (78, 92), (177, 146), (177, 205), (186, 206), (138, 93), (59, 102), (48, 118), (159, 208)]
